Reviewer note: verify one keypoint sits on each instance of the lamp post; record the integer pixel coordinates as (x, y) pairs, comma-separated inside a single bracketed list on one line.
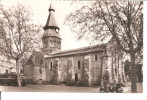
[(102, 57)]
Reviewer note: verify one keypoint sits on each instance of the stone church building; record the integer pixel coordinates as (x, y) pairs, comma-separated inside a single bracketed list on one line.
[(82, 66)]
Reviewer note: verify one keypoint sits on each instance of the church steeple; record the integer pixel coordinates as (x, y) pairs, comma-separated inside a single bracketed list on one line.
[(51, 21), (51, 37)]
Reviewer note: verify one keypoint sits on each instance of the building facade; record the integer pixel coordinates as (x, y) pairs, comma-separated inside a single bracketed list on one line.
[(6, 66), (82, 66)]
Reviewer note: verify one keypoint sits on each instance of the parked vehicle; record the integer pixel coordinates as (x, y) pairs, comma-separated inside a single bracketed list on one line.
[(11, 79)]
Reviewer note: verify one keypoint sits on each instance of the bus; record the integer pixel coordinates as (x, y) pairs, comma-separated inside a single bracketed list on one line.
[(11, 79)]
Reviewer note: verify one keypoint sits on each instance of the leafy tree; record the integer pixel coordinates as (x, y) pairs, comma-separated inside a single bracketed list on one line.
[(116, 54), (101, 20), (18, 35)]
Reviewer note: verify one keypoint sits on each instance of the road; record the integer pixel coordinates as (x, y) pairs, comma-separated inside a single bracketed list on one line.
[(60, 88), (49, 88)]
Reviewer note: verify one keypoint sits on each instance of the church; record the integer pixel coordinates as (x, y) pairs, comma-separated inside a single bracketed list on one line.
[(82, 66)]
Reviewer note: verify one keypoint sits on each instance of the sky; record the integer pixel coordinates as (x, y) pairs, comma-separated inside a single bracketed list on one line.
[(39, 8)]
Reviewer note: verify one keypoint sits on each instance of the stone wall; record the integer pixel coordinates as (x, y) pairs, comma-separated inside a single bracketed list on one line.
[(96, 68), (78, 69), (35, 74), (51, 45), (87, 73), (60, 69), (28, 72), (34, 69), (39, 75), (69, 71)]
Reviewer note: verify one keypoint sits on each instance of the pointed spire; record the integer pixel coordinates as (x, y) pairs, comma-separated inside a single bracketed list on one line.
[(51, 28), (51, 21), (51, 8)]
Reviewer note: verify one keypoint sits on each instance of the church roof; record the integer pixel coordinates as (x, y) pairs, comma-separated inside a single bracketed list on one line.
[(51, 21), (36, 58), (88, 49)]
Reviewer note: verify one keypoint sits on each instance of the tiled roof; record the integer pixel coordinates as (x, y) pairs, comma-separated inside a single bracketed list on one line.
[(51, 21), (88, 49)]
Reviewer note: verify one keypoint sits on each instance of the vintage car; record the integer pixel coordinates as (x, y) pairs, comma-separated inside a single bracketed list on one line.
[(11, 79)]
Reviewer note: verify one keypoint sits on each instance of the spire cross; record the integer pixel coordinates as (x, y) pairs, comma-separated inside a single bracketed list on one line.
[(51, 7)]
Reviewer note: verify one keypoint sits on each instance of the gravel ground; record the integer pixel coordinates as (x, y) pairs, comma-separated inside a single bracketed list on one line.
[(62, 88)]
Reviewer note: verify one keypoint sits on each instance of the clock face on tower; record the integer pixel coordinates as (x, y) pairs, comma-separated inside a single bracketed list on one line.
[(57, 30)]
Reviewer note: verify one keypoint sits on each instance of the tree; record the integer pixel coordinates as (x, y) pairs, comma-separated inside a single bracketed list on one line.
[(18, 35), (116, 54), (101, 20)]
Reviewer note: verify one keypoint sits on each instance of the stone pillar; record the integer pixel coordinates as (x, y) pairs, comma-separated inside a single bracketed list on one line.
[(90, 66), (109, 65), (72, 69), (55, 72), (89, 73), (58, 64)]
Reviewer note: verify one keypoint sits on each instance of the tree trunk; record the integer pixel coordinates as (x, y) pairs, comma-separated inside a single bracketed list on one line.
[(112, 70), (133, 73), (18, 74), (101, 70)]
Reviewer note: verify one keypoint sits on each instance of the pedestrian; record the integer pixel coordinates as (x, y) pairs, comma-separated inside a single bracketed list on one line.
[(101, 89), (111, 87), (23, 80), (119, 89)]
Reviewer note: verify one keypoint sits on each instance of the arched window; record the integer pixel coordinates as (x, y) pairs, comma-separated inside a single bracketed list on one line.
[(40, 70), (45, 42), (55, 44), (6, 71), (50, 66), (59, 44), (95, 57), (51, 43), (79, 64)]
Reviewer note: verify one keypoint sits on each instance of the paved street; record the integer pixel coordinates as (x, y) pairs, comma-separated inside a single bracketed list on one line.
[(60, 88)]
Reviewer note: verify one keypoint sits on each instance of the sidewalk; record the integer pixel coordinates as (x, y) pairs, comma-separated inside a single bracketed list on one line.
[(127, 89)]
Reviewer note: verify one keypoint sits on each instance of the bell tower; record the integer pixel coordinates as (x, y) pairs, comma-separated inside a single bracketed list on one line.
[(51, 39)]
